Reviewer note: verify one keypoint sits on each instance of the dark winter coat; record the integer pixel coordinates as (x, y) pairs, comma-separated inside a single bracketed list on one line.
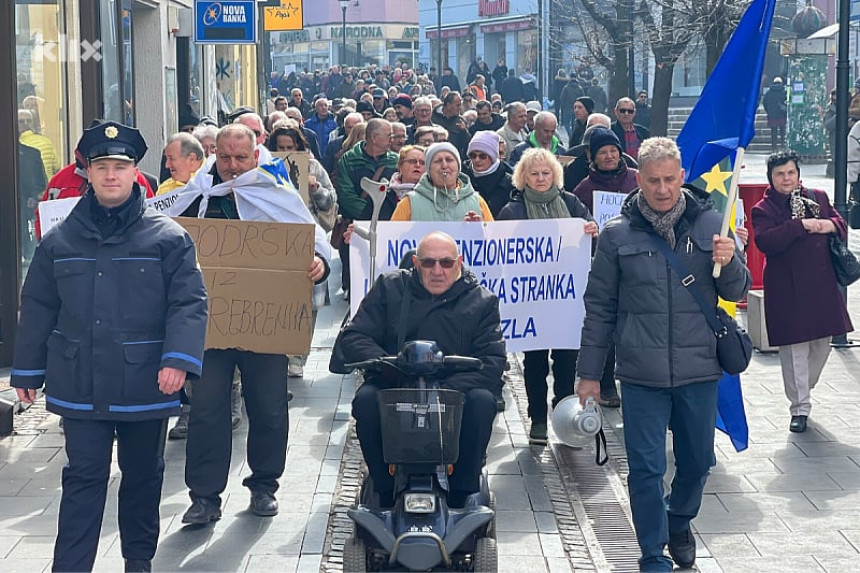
[(775, 102), (101, 317), (496, 188), (635, 299), (622, 180), (516, 208), (495, 125), (802, 300), (464, 320), (568, 95), (642, 133), (578, 169), (598, 94), (511, 89)]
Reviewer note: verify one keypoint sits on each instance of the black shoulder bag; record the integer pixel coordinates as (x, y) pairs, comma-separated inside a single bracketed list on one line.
[(734, 346)]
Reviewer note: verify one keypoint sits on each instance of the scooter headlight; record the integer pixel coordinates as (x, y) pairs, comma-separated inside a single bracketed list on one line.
[(419, 502)]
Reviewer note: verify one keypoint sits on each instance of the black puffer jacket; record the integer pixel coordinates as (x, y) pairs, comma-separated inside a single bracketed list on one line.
[(516, 208), (100, 317), (634, 298), (464, 320), (496, 188)]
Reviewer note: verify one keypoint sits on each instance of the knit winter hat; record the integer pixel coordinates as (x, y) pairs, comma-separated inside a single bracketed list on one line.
[(486, 142), (442, 146), (587, 102), (404, 100), (601, 137)]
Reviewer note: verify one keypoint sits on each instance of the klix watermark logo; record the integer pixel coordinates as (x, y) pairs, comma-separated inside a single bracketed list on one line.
[(67, 49)]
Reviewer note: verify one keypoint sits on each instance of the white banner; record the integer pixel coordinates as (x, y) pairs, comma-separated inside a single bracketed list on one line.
[(53, 211), (166, 201), (607, 205), (538, 269)]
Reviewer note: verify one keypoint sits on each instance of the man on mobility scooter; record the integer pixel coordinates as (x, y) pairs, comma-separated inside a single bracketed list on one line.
[(437, 301)]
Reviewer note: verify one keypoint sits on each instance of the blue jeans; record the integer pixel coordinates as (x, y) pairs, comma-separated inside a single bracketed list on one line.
[(691, 410)]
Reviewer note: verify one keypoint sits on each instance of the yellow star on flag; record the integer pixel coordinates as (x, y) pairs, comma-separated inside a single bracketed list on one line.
[(716, 178)]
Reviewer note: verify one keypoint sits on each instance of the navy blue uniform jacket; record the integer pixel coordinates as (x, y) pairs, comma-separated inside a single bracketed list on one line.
[(100, 318)]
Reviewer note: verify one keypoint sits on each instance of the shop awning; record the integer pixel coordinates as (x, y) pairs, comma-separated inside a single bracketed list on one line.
[(510, 26), (457, 32)]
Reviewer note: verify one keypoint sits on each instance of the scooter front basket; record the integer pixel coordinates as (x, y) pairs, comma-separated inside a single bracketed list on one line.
[(420, 426)]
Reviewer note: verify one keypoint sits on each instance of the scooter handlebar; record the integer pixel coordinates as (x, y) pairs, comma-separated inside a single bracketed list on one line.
[(374, 364), (462, 364)]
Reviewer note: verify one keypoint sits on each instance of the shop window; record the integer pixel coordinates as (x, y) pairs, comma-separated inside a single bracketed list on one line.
[(42, 49)]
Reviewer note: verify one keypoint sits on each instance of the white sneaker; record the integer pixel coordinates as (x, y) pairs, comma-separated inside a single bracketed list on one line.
[(295, 370)]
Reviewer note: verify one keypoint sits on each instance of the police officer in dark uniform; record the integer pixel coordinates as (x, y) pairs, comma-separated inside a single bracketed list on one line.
[(113, 320)]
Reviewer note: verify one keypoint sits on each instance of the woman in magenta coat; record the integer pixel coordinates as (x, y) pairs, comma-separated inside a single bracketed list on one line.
[(803, 304)]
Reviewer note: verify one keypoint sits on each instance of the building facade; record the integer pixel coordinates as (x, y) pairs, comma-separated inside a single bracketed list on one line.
[(378, 32), (64, 63), (491, 29)]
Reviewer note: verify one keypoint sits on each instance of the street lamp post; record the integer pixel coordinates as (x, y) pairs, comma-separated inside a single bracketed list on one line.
[(343, 5), (439, 37)]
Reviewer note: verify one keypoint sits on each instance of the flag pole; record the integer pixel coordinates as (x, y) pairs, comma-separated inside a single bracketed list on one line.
[(730, 202)]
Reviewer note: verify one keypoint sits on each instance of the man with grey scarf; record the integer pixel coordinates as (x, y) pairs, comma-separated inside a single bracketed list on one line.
[(666, 352)]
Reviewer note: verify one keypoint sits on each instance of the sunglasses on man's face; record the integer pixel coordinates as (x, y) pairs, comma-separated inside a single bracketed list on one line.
[(478, 155), (429, 263), (626, 110)]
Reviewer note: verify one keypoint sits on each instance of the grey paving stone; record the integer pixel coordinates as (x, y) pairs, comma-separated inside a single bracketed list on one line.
[(520, 563), (736, 544), (816, 464), (17, 506), (315, 533), (832, 521), (272, 563), (800, 543), (805, 564), (523, 521), (838, 564), (7, 542), (546, 522), (739, 522), (19, 565), (309, 564), (847, 480), (758, 501), (807, 482), (518, 543), (33, 546), (551, 545), (834, 500), (727, 483), (557, 565)]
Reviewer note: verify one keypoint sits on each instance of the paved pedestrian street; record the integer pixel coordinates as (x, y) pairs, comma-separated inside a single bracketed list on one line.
[(791, 502)]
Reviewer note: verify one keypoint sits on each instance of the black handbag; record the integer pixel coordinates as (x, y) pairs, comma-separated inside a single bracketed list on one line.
[(844, 262), (734, 346)]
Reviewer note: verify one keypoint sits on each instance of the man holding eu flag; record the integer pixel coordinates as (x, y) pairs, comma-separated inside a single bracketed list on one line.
[(666, 355)]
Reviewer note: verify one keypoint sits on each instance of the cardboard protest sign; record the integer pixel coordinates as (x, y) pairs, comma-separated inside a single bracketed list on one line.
[(298, 166), (53, 211), (537, 268), (606, 206), (257, 283)]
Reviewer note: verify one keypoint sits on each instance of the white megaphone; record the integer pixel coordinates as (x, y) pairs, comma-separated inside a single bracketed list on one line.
[(574, 425)]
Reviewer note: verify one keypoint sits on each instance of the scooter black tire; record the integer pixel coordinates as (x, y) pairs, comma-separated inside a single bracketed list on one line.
[(355, 555), (486, 556)]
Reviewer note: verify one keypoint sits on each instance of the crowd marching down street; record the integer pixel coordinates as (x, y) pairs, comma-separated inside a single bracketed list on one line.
[(472, 215)]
